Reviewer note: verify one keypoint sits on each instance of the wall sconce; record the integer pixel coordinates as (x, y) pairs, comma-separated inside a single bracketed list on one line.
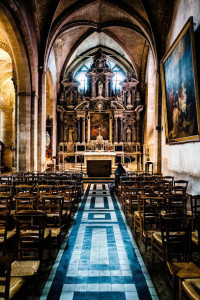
[(12, 148)]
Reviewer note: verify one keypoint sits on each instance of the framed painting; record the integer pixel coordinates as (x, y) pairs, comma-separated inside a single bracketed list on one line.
[(180, 89), (99, 125)]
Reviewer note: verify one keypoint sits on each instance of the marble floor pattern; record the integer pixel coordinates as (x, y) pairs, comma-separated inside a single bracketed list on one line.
[(99, 258)]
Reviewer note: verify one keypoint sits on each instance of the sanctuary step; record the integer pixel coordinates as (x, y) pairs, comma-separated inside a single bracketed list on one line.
[(98, 179), (77, 168)]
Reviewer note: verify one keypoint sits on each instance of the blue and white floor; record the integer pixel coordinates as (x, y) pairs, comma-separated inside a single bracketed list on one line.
[(99, 258)]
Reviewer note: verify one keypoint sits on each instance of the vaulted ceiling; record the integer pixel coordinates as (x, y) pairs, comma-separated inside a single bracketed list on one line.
[(73, 27)]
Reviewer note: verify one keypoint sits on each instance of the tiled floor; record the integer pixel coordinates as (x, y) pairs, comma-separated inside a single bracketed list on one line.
[(99, 258)]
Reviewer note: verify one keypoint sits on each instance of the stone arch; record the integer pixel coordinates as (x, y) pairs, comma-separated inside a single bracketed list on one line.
[(14, 44)]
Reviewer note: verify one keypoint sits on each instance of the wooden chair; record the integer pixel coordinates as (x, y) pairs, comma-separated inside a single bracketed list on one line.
[(69, 201), (131, 204), (9, 286), (149, 207), (30, 237), (6, 233), (173, 238), (52, 205)]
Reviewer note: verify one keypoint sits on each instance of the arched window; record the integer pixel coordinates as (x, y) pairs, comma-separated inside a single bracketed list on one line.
[(81, 76)]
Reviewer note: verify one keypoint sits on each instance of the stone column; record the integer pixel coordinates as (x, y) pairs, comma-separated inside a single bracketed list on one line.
[(34, 130), (138, 128), (116, 129), (42, 121), (83, 130), (122, 130), (79, 130), (23, 123)]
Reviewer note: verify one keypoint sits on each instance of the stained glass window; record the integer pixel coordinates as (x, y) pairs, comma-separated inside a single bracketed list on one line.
[(119, 75)]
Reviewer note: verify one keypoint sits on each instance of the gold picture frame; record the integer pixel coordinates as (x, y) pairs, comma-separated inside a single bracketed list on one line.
[(180, 89)]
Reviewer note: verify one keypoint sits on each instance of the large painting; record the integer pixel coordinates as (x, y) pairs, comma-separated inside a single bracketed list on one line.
[(180, 89), (99, 123)]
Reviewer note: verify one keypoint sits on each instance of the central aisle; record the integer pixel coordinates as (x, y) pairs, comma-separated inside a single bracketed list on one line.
[(99, 259)]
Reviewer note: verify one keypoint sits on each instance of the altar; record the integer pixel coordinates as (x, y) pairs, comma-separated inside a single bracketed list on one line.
[(99, 127), (100, 164)]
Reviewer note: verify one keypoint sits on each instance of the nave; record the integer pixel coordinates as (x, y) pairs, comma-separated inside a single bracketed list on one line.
[(99, 258)]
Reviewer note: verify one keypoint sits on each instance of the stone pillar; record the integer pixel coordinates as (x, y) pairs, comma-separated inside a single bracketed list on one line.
[(23, 123), (122, 131), (116, 129), (138, 128), (83, 130), (34, 130), (7, 134), (42, 121), (79, 130)]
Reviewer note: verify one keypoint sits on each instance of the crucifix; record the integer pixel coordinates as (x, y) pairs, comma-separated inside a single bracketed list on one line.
[(100, 129)]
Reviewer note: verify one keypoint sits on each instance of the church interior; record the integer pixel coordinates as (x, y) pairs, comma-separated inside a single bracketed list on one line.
[(99, 149)]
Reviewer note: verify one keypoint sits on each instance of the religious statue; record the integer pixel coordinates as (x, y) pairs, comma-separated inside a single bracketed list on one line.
[(100, 88), (128, 132), (129, 98), (70, 138), (71, 98)]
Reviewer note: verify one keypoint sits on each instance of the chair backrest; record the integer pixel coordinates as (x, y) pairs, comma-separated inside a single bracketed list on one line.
[(176, 233), (5, 271), (24, 190), (176, 203), (66, 191), (6, 189), (170, 179), (183, 183), (53, 204), (195, 204), (44, 190), (4, 219), (149, 207), (180, 190), (30, 234), (26, 203), (5, 203)]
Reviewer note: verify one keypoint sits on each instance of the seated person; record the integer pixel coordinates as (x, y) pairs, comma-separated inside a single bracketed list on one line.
[(119, 171)]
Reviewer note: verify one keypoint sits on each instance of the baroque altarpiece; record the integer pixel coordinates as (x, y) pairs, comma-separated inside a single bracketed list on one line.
[(100, 123)]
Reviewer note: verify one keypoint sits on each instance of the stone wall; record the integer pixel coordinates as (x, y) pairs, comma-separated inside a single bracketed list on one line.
[(182, 160)]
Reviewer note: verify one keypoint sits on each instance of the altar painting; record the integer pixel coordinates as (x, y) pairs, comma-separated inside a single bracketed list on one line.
[(180, 89), (99, 125)]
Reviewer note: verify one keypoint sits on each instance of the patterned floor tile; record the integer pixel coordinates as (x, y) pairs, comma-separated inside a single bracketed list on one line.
[(100, 258)]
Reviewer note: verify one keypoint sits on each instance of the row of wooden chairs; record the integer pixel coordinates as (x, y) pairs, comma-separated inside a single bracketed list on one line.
[(158, 209), (32, 215)]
